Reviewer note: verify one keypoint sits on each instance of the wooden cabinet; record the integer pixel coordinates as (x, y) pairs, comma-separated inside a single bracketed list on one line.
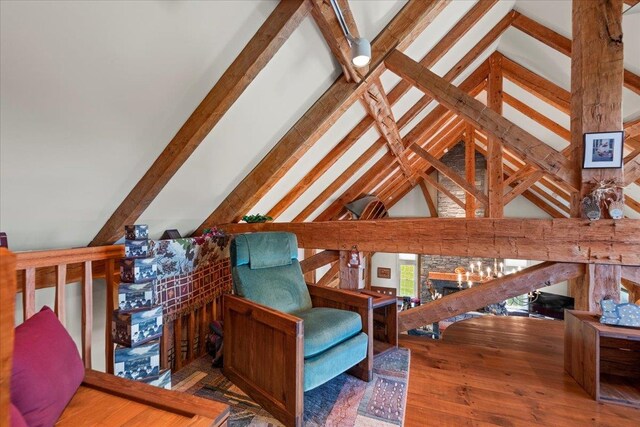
[(385, 321), (603, 359)]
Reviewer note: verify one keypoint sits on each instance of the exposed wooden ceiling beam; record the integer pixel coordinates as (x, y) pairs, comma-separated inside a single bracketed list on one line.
[(410, 22), (535, 198), (433, 211), (378, 106), (438, 51), (632, 203), (395, 184), (419, 131), (424, 127), (443, 189), (323, 165), (330, 275), (451, 174), (374, 173), (536, 85), (467, 60), (373, 99), (522, 186), (540, 118), (254, 57), (562, 240), (518, 140), (444, 138), (490, 292), (340, 180), (632, 128), (331, 30), (563, 45), (520, 175), (632, 169), (318, 260)]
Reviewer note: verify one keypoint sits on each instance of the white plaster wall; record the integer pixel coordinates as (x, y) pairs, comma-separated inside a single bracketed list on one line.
[(411, 205), (386, 260)]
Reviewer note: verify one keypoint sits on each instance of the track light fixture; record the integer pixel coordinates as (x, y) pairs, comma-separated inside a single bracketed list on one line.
[(360, 47)]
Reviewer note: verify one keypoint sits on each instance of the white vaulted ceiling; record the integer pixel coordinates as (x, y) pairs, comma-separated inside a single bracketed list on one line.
[(92, 92)]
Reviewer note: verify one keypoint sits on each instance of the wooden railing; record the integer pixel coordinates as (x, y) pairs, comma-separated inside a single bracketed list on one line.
[(184, 338), (58, 267)]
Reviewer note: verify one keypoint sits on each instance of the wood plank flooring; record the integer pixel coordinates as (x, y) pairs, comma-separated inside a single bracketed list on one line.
[(500, 371)]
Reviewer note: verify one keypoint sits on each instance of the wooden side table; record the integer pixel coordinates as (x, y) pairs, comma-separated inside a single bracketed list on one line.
[(603, 359), (385, 322)]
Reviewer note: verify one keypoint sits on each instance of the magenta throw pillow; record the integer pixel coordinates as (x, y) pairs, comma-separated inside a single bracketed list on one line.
[(16, 417), (47, 369)]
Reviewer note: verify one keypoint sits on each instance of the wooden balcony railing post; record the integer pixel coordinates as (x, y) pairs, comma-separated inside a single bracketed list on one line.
[(112, 297), (87, 313), (29, 294), (61, 283)]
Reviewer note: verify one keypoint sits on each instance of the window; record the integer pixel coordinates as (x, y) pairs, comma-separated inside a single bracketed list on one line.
[(408, 267)]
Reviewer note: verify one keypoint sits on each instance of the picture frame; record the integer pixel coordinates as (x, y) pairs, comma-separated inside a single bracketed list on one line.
[(384, 273), (603, 150)]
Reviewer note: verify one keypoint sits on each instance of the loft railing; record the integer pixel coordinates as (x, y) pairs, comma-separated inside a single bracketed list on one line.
[(59, 267), (183, 340)]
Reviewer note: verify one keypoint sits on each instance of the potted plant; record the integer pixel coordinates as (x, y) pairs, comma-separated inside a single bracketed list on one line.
[(252, 219)]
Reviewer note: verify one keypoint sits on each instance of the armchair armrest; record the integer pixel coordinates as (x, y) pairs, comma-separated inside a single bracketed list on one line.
[(350, 298), (264, 356), (287, 323)]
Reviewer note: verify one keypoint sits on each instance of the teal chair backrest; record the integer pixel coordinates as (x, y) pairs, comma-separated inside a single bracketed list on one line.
[(266, 270)]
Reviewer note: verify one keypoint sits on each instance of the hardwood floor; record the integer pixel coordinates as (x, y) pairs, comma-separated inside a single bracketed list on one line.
[(504, 371)]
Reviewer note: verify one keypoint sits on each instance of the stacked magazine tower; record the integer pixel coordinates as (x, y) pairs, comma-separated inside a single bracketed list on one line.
[(136, 326)]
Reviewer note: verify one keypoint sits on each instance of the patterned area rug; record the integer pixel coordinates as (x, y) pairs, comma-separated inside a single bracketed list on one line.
[(343, 401)]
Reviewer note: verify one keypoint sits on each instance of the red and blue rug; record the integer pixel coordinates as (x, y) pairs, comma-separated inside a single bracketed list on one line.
[(343, 401)]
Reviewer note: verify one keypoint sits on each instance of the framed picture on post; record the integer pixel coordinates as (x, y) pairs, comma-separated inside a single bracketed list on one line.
[(603, 150)]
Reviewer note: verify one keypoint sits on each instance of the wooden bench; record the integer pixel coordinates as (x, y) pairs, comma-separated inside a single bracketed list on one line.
[(102, 398)]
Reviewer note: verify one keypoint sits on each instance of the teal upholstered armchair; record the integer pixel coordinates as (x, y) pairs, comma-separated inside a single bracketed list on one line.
[(284, 337)]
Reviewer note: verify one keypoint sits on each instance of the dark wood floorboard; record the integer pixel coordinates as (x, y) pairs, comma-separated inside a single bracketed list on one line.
[(501, 371)]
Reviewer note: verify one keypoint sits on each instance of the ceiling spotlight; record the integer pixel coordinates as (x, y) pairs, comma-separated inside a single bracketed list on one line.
[(360, 51), (360, 47)]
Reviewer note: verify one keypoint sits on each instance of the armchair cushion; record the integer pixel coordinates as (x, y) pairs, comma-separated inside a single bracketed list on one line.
[(265, 250), (280, 287), (323, 367), (327, 327)]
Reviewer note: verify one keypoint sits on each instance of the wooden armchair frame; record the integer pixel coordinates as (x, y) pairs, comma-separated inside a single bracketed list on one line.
[(264, 349)]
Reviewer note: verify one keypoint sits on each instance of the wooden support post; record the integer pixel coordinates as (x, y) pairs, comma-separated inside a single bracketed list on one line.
[(350, 277), (597, 73), (7, 331), (494, 149), (470, 169)]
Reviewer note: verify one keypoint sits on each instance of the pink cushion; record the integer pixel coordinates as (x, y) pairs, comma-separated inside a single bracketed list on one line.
[(47, 369), (16, 417)]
